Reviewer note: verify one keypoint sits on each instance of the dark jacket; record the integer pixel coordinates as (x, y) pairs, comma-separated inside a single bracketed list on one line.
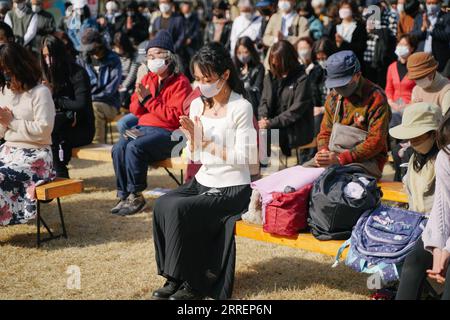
[(316, 79), (106, 82), (440, 37), (176, 30), (358, 43), (253, 84), (288, 105), (224, 38), (46, 25), (74, 107), (384, 49), (139, 29)]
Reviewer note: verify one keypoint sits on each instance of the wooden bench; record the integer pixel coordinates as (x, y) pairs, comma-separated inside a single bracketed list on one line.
[(54, 190), (102, 152)]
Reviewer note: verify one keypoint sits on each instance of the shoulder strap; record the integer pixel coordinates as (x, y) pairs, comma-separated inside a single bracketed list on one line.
[(338, 107)]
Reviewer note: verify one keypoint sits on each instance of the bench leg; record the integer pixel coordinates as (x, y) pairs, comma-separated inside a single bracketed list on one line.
[(175, 178), (41, 220)]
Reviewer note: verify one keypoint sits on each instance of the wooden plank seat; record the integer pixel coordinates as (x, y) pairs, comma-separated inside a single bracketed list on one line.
[(393, 191), (54, 190), (304, 241), (102, 152)]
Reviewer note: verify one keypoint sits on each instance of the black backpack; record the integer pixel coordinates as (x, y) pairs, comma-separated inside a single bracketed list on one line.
[(332, 214)]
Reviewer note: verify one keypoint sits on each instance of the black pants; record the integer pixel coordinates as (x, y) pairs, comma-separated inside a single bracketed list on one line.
[(413, 275), (194, 236)]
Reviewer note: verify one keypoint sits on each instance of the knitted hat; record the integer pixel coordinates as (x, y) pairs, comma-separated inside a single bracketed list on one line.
[(162, 40), (420, 65)]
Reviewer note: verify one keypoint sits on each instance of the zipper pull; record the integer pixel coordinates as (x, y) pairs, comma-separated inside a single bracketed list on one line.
[(61, 153)]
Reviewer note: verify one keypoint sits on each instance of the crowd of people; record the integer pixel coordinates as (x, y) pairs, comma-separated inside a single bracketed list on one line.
[(346, 72)]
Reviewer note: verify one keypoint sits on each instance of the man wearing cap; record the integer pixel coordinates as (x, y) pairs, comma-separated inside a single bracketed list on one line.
[(219, 29), (420, 122), (431, 86), (105, 72), (266, 9), (158, 105), (248, 24), (354, 129)]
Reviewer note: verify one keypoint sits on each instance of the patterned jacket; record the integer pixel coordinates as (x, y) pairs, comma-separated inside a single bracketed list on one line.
[(366, 109)]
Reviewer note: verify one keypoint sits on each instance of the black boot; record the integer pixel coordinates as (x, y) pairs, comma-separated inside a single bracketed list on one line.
[(186, 293), (169, 288), (134, 204)]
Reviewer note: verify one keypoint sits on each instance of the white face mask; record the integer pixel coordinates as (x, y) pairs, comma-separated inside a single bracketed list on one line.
[(284, 6), (402, 51), (345, 13), (400, 7), (19, 5), (35, 8), (165, 7), (247, 15), (424, 82), (210, 90), (304, 54), (157, 66), (322, 63), (48, 61)]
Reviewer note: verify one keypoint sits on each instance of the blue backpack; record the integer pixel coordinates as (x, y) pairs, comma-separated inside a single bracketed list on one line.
[(381, 240)]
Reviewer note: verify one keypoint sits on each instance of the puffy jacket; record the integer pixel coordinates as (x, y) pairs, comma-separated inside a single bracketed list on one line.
[(165, 106)]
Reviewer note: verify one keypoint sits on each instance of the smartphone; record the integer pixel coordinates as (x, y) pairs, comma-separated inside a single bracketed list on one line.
[(133, 133)]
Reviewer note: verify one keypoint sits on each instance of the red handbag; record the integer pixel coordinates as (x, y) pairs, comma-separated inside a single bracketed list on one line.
[(287, 214)]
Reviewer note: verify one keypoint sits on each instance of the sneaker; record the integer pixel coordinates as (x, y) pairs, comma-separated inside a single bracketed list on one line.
[(134, 204), (169, 288), (186, 293), (118, 206)]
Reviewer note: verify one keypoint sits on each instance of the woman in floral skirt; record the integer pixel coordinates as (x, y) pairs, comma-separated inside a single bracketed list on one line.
[(27, 115)]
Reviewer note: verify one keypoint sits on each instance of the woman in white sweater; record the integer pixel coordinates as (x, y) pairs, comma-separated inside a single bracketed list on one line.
[(193, 226), (27, 115), (431, 256)]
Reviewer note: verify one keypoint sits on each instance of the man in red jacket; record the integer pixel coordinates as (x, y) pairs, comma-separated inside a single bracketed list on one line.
[(158, 104)]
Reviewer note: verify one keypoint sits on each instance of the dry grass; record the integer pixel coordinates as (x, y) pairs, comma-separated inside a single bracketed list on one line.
[(116, 255)]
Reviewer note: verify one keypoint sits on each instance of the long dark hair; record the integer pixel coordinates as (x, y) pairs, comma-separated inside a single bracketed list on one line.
[(324, 45), (213, 58), (286, 57), (123, 41), (21, 65), (61, 63), (250, 46), (443, 134)]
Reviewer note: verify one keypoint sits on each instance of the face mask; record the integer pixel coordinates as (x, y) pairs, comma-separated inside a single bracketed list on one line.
[(424, 147), (244, 59), (35, 8), (433, 9), (400, 8), (188, 15), (347, 90), (284, 6), (322, 63), (247, 15), (345, 13), (402, 51), (304, 54), (165, 7), (19, 5), (210, 90), (157, 66), (130, 14), (68, 12), (424, 82)]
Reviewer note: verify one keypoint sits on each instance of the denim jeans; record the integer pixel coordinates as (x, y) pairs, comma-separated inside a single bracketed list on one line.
[(126, 122), (131, 158)]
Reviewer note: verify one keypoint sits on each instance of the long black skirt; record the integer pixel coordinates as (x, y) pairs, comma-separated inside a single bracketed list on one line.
[(194, 236)]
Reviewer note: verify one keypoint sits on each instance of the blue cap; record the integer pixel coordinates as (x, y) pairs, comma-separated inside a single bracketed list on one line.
[(340, 68), (264, 3), (162, 40)]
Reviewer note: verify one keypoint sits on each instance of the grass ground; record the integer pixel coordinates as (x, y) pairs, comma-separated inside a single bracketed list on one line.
[(116, 254)]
